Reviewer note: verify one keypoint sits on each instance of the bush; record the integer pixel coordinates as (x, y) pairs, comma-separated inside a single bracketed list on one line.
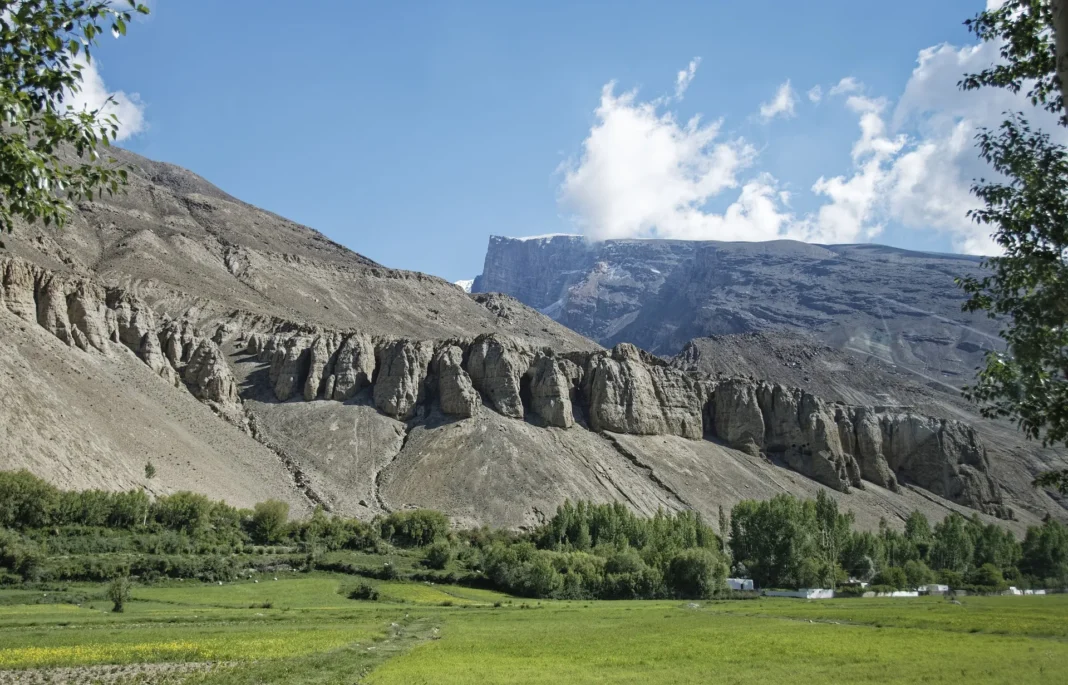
[(951, 578), (364, 591), (696, 574), (268, 522), (988, 577), (118, 593), (918, 573), (416, 528), (439, 554), (893, 577)]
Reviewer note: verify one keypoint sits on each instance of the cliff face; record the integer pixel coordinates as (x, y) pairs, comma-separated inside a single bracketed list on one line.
[(622, 391), (249, 357), (897, 305)]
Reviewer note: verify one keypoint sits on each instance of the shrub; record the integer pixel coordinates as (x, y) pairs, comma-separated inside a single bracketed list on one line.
[(150, 470), (364, 591), (439, 554), (416, 528), (118, 593), (893, 577), (918, 573), (268, 522), (988, 576), (696, 574)]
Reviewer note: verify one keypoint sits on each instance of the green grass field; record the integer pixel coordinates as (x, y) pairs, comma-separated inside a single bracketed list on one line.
[(304, 629)]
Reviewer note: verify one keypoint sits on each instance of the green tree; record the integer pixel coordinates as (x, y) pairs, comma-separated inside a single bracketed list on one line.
[(696, 574), (1045, 553), (917, 573), (118, 593), (26, 501), (953, 547), (439, 554), (48, 157), (269, 521), (1027, 286), (894, 577)]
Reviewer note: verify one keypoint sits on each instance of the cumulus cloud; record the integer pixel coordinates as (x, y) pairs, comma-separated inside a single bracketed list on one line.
[(644, 173), (94, 94), (815, 93), (913, 161), (781, 105)]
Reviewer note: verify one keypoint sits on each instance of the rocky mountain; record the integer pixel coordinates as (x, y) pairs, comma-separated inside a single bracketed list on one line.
[(247, 357), (899, 306)]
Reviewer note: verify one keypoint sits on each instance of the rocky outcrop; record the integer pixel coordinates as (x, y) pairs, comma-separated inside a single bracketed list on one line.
[(321, 367), (19, 286), (736, 415), (624, 390), (945, 457), (289, 365), (209, 378), (52, 307), (801, 430), (354, 367), (551, 387), (867, 447), (456, 394), (400, 386), (496, 366), (86, 311), (631, 393)]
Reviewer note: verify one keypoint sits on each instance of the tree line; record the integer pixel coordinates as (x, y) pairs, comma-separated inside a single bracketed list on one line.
[(585, 550)]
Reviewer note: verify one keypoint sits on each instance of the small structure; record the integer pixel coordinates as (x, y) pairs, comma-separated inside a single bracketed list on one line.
[(933, 589), (803, 593), (1013, 590), (745, 584)]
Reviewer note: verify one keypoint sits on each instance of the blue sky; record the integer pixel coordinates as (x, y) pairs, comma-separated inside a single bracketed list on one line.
[(410, 132)]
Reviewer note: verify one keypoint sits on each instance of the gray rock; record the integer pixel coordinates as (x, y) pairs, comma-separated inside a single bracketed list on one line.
[(737, 419), (52, 307), (630, 392), (550, 391), (456, 394), (945, 457), (87, 314), (868, 449), (151, 353), (496, 365), (400, 386), (19, 283), (289, 368), (354, 367), (321, 366), (209, 377), (130, 320)]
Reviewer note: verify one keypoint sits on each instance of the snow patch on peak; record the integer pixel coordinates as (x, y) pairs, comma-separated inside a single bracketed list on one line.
[(465, 284)]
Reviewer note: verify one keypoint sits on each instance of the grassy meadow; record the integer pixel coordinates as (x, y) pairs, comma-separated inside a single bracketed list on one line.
[(303, 628)]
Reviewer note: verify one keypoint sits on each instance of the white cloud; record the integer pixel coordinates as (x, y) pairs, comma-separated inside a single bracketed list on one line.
[(643, 173), (781, 105), (815, 93), (846, 86), (93, 95), (684, 77)]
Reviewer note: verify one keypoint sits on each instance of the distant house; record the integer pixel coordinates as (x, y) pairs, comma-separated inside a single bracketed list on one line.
[(740, 584), (933, 589)]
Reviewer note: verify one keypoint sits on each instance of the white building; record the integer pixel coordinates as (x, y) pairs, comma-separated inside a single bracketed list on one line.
[(740, 584)]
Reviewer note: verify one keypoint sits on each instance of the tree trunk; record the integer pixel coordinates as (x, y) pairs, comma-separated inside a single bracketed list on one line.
[(1060, 38)]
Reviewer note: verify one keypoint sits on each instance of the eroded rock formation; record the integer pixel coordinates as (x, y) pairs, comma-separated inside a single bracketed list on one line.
[(623, 390)]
